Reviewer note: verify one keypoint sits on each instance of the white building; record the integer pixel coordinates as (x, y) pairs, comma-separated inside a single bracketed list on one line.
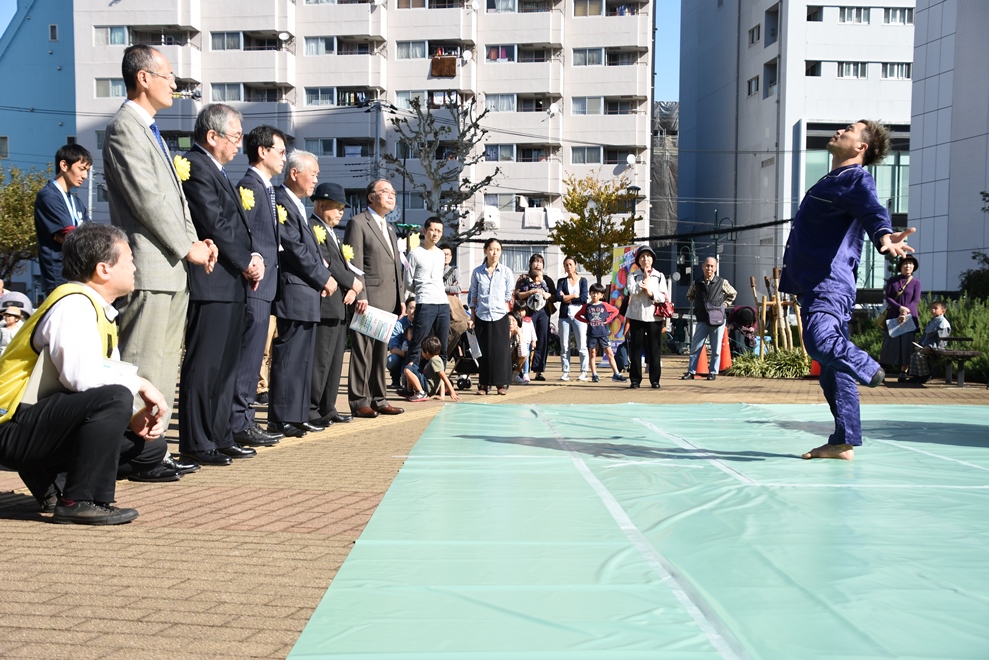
[(568, 84), (763, 85), (950, 131)]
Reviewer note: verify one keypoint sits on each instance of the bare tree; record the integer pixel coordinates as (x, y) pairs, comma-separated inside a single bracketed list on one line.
[(443, 147)]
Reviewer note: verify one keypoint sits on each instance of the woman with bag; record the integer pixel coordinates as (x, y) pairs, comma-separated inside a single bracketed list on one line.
[(571, 291), (710, 295), (902, 295), (647, 294), (537, 292)]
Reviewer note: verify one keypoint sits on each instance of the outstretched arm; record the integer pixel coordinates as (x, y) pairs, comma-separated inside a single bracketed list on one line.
[(895, 244)]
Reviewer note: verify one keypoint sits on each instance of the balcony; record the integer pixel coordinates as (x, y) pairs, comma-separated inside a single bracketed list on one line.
[(346, 20), (255, 66), (186, 61), (544, 28)]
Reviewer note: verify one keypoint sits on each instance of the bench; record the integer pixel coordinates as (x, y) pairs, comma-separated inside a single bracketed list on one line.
[(954, 356)]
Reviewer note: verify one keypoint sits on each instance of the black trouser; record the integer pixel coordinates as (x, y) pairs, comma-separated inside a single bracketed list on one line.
[(331, 343), (644, 337), (430, 320), (81, 434)]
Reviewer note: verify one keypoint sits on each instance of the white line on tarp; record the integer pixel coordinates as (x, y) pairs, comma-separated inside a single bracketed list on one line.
[(683, 443)]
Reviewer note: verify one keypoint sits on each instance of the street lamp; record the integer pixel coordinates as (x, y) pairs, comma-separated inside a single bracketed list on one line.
[(717, 234)]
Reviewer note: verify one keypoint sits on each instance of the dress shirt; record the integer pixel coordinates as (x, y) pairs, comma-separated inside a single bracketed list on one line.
[(383, 226), (75, 345), (489, 294)]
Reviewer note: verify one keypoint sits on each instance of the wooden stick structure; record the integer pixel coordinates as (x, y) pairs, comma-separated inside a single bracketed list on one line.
[(760, 318), (776, 304)]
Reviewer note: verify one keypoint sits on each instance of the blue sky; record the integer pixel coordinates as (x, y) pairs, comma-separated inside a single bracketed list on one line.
[(667, 44)]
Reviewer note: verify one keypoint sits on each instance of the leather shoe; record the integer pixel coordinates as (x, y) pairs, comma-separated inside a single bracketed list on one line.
[(325, 422), (236, 451), (339, 418), (288, 430), (312, 426), (255, 437), (180, 466), (366, 411), (157, 474), (211, 457), (390, 410), (261, 399)]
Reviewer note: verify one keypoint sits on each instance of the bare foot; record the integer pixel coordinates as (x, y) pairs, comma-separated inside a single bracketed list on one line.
[(842, 452)]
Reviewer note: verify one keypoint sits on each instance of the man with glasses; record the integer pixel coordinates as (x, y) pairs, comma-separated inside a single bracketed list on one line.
[(217, 299), (146, 201), (376, 254)]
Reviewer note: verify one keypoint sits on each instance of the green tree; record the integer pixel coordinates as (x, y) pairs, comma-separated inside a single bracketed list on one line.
[(18, 240), (441, 145), (974, 282), (593, 229)]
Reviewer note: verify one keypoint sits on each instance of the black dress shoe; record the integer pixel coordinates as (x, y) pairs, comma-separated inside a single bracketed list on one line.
[(633, 386), (288, 430), (655, 386), (236, 451), (156, 474), (181, 466), (339, 418), (211, 457), (310, 427), (261, 399), (255, 437)]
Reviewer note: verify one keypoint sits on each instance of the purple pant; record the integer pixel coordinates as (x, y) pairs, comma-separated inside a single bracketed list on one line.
[(842, 363)]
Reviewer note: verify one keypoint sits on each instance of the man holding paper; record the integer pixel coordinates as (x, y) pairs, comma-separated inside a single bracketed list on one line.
[(376, 253)]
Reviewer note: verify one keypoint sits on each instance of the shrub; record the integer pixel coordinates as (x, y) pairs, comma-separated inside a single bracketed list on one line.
[(775, 364)]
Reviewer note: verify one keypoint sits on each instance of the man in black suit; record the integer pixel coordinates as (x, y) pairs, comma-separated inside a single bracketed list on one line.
[(329, 201), (265, 147), (217, 300), (302, 278)]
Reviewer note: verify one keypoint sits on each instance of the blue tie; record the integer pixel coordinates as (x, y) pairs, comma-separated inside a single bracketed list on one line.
[(223, 171), (161, 143), (271, 198)]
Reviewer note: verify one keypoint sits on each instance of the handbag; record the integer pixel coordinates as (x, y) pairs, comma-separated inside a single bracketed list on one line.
[(663, 310), (715, 314)]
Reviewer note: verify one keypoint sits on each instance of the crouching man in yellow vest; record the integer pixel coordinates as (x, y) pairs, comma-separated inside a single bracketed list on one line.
[(74, 444)]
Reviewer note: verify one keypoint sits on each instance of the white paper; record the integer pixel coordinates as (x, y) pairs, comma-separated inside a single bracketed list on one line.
[(896, 328), (475, 348), (375, 323)]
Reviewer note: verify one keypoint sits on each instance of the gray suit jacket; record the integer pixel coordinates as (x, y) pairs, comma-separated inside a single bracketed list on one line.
[(146, 201), (384, 286)]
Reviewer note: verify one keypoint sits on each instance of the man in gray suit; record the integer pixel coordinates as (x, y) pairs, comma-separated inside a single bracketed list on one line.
[(146, 201), (376, 254)]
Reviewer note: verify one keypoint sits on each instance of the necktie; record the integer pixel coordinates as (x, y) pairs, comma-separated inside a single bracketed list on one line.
[(161, 143), (383, 225), (223, 171), (271, 200)]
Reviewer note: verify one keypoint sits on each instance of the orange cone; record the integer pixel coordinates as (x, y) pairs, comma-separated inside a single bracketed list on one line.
[(815, 369), (725, 358), (702, 368)]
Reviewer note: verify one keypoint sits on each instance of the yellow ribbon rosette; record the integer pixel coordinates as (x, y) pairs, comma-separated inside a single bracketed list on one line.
[(182, 167), (320, 234), (282, 214), (348, 252), (413, 241), (247, 198)]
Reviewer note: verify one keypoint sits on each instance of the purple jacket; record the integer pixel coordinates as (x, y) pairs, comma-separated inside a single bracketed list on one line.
[(909, 298)]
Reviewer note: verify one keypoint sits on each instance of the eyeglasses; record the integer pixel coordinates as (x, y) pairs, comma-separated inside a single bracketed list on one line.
[(280, 152), (167, 76), (234, 139), (386, 193)]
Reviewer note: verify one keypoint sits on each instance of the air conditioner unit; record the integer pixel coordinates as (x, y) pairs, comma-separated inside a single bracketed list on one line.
[(492, 217)]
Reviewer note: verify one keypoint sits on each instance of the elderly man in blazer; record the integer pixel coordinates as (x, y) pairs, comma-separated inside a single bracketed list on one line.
[(329, 201), (265, 147), (147, 202), (303, 277), (376, 254), (216, 310)]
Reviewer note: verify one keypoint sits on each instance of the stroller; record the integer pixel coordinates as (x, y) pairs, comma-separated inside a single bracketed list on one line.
[(464, 364)]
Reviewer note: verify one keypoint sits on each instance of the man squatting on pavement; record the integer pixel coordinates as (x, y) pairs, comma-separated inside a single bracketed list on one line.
[(820, 266)]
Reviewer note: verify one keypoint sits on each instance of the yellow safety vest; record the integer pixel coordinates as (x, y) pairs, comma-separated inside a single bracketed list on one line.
[(17, 362)]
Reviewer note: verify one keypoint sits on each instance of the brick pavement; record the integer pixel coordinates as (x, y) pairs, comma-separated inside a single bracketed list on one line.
[(231, 562)]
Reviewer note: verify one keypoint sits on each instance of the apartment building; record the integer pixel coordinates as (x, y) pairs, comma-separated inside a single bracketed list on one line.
[(950, 130), (567, 84), (764, 84)]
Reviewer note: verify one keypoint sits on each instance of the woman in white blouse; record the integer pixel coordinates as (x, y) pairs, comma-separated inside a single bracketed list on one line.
[(645, 288)]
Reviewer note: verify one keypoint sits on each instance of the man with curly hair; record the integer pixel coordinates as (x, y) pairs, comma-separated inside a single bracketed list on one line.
[(820, 266)]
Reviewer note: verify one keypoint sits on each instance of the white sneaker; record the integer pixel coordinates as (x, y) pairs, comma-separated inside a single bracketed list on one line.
[(582, 376), (565, 377)]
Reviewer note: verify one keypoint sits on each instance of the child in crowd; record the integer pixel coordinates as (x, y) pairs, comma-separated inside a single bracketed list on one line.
[(597, 315), (398, 343), (526, 345), (432, 377), (937, 330)]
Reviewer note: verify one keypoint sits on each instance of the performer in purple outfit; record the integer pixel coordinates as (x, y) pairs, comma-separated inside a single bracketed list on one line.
[(820, 266)]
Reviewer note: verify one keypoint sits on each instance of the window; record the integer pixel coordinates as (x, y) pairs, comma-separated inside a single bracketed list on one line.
[(261, 94), (4, 146), (815, 14), (353, 48), (110, 88), (812, 69), (221, 92), (532, 155), (411, 50), (404, 99), (414, 201), (319, 96), (101, 193), (500, 53), (225, 40), (852, 70), (501, 6), (753, 86), (588, 8), (532, 6), (321, 2), (532, 105), (533, 55), (355, 97), (52, 32), (855, 15), (622, 58), (320, 146), (501, 201), (500, 102), (896, 71), (110, 36), (588, 56), (585, 155), (898, 16), (411, 4), (254, 42), (319, 46), (617, 156), (586, 105), (404, 150), (443, 98), (619, 108), (754, 35), (499, 152), (354, 150), (99, 139)]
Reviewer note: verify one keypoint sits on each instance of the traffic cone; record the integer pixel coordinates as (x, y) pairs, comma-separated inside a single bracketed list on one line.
[(725, 358), (815, 369), (702, 368)]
